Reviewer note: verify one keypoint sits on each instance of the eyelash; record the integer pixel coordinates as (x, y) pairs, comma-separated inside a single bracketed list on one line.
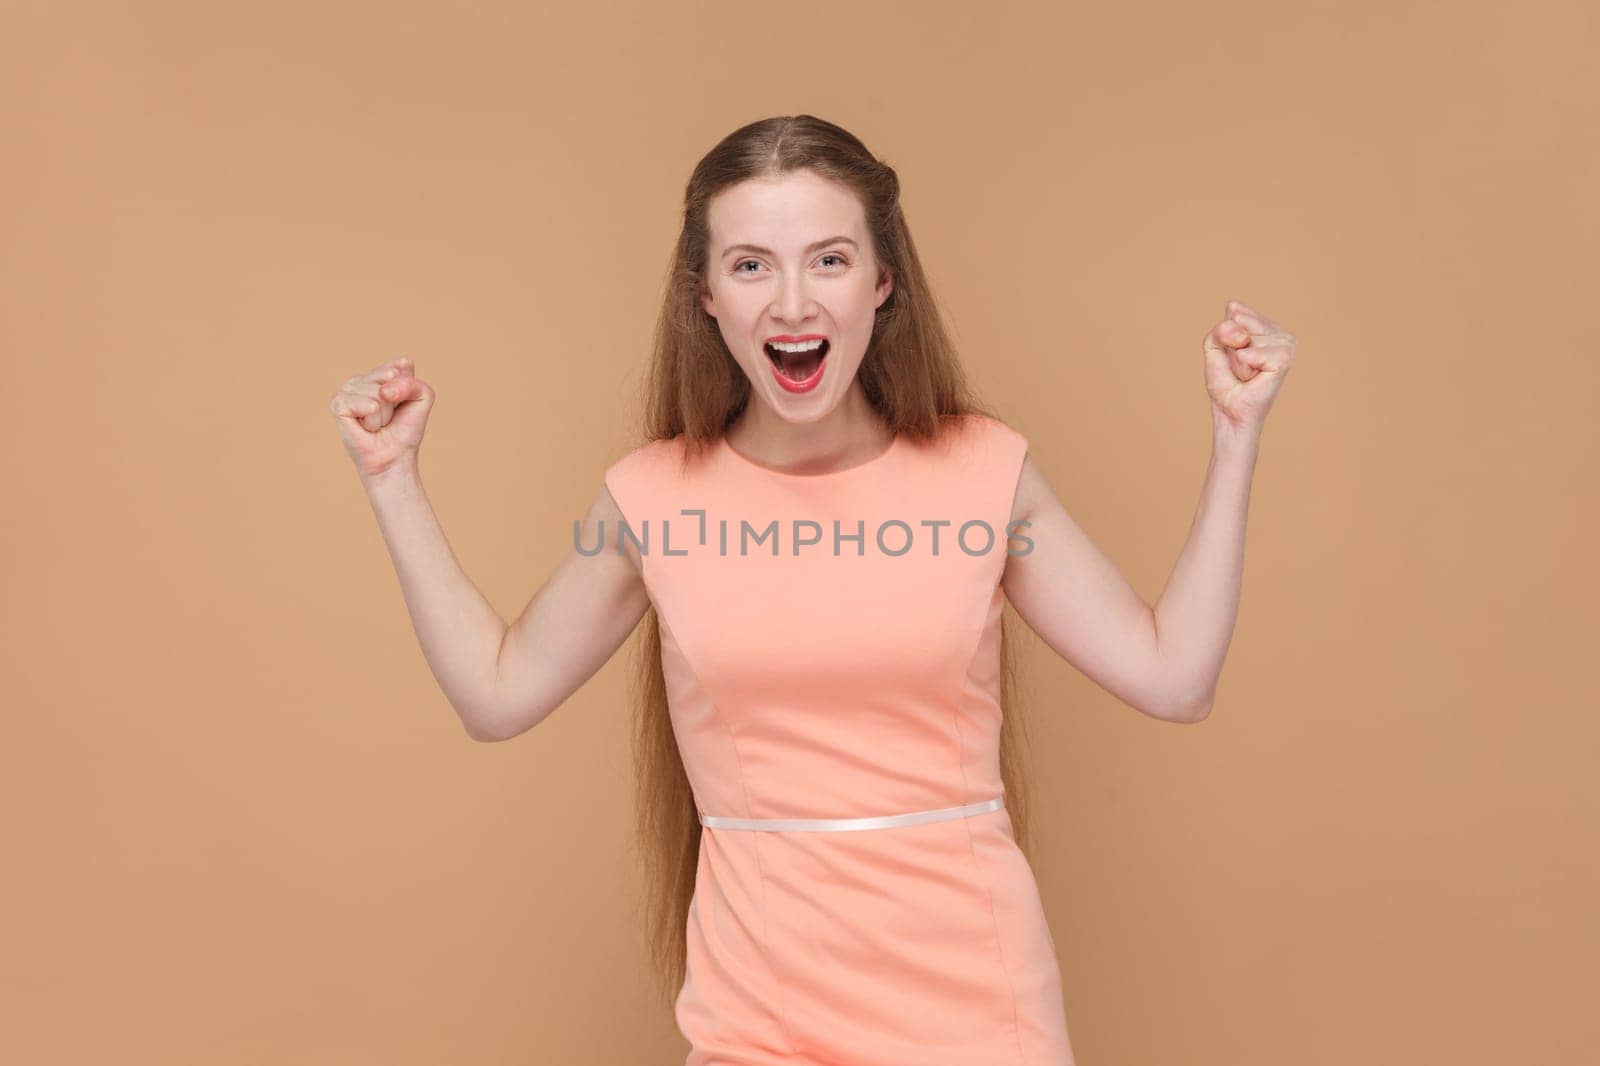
[(826, 255)]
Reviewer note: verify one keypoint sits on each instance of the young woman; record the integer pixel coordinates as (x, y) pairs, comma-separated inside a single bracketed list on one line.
[(820, 530)]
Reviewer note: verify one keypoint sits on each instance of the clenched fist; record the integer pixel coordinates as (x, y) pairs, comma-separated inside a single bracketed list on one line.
[(382, 414), (1247, 357)]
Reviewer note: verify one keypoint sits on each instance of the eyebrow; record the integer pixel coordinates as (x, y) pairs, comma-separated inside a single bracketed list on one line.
[(730, 249)]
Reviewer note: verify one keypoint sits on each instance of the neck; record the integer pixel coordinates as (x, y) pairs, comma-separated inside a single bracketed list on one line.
[(847, 436)]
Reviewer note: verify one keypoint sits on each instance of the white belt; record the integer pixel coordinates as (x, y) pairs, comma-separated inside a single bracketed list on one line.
[(817, 825)]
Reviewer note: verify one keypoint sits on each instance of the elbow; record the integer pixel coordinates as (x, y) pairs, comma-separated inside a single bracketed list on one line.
[(485, 716), (1187, 695), (1185, 706), (499, 722), (1196, 709), (1184, 690), (480, 726)]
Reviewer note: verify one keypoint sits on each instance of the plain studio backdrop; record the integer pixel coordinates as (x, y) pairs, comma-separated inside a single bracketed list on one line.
[(241, 823)]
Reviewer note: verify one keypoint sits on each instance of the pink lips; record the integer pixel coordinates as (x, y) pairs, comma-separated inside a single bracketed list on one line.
[(806, 384)]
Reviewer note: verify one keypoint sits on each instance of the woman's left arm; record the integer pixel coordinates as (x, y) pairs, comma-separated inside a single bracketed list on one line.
[(1163, 660)]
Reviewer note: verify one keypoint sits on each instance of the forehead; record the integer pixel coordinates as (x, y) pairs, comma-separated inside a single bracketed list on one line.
[(784, 213)]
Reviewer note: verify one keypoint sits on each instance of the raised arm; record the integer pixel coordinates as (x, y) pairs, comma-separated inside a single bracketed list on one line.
[(1165, 660), (499, 679), (575, 622), (503, 680)]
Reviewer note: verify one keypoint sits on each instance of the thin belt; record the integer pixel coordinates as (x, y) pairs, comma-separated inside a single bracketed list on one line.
[(818, 825)]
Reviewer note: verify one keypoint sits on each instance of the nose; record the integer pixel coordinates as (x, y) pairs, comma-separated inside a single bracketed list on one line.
[(793, 304)]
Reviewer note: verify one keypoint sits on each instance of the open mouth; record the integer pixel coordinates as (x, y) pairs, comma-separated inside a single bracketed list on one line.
[(797, 366)]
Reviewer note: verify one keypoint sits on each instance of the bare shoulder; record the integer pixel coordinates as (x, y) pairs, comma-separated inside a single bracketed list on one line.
[(631, 490), (1004, 441), (1033, 491), (602, 525)]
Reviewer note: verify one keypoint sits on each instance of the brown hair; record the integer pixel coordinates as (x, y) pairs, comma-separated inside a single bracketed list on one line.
[(695, 389)]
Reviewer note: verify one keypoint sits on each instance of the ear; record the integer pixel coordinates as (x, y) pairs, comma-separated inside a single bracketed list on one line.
[(885, 287), (706, 303)]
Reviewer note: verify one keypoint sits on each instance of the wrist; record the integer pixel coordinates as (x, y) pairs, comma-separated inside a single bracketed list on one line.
[(1228, 438), (401, 476)]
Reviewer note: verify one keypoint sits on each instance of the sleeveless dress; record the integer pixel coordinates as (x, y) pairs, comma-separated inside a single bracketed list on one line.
[(830, 645)]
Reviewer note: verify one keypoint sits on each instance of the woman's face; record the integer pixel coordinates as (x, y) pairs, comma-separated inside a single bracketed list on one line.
[(790, 260)]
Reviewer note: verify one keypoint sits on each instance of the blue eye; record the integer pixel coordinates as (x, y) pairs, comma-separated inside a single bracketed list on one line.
[(742, 262)]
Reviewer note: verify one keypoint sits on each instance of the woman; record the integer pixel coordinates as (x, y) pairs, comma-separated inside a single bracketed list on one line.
[(829, 798)]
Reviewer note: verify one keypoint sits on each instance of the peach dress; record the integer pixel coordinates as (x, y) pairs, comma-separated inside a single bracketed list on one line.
[(859, 899)]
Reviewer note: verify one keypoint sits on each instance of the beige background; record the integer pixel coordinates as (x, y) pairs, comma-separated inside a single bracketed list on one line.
[(241, 824)]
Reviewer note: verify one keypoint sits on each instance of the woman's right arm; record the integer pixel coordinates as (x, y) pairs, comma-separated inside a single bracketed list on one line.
[(500, 680), (503, 680), (575, 622)]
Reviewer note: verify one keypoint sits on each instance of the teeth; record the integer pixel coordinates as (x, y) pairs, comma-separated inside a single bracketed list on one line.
[(803, 346)]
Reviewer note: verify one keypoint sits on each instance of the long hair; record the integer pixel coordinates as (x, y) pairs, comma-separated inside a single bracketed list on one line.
[(695, 389)]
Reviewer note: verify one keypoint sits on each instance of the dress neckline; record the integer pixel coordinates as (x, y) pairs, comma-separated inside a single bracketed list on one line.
[(741, 458)]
